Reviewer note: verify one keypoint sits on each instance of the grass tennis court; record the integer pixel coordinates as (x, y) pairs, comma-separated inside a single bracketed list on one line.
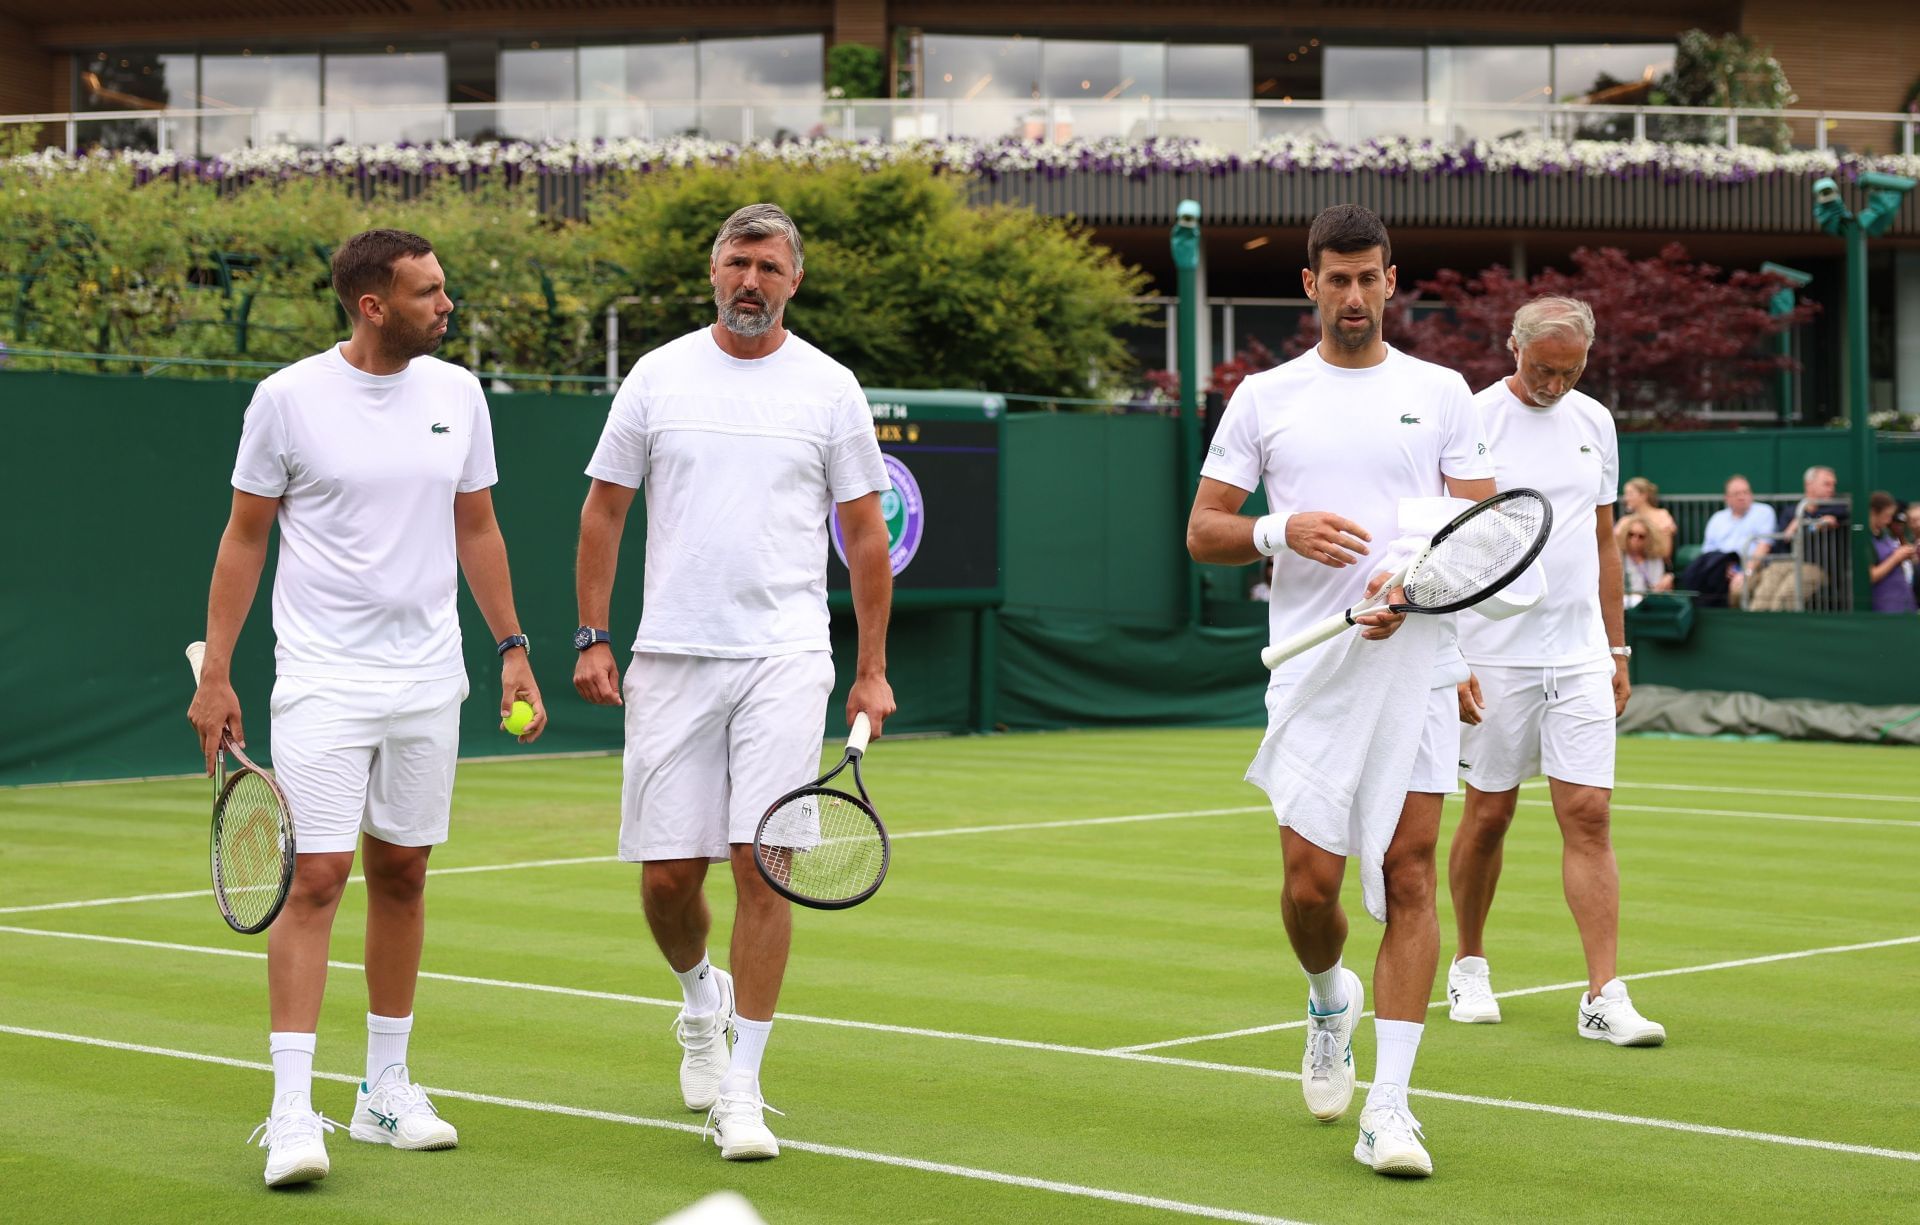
[(956, 1049)]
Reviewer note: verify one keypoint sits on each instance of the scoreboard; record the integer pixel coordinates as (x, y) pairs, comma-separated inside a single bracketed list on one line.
[(943, 453)]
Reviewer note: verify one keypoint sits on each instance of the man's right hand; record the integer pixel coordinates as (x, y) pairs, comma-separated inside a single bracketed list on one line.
[(1322, 536), (215, 708), (597, 677)]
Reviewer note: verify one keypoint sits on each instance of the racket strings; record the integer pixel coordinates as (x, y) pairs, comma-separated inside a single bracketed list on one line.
[(823, 845), (248, 850), (1478, 553)]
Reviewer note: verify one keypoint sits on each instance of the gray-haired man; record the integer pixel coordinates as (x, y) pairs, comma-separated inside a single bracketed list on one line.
[(746, 438), (1547, 687)]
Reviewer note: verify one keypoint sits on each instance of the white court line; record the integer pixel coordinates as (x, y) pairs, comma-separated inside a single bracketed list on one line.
[(561, 863), (1130, 1056), (1504, 995), (1797, 795), (1748, 814), (606, 1116)]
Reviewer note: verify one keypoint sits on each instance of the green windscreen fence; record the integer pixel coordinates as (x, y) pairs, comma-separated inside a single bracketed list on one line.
[(119, 490)]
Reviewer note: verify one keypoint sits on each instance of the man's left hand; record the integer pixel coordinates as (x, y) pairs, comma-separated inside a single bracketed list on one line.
[(1381, 622), (517, 685), (873, 696), (1622, 687)]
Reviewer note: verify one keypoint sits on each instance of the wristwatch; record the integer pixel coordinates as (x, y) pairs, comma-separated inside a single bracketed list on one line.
[(587, 636), (511, 641), (1622, 652)]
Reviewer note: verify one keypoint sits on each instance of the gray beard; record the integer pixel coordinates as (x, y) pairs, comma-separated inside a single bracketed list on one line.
[(741, 323), (1348, 340)]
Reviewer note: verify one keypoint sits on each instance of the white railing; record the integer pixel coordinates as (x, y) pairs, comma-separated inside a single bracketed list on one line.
[(1236, 125)]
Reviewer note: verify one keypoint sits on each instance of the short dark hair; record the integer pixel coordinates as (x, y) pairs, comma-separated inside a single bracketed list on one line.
[(364, 264), (1345, 229), (1880, 500)]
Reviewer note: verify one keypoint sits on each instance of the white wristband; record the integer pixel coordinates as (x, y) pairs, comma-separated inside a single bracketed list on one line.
[(1270, 532)]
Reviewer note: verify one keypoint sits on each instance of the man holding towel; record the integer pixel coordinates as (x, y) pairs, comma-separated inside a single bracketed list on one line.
[(1547, 688), (1338, 438)]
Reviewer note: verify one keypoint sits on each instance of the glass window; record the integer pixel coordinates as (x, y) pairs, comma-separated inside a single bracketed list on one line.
[(1596, 72), (284, 89), (1375, 75), (739, 69), (1103, 71), (415, 80), (1217, 71), (538, 75), (136, 81), (962, 66), (1495, 76), (614, 79)]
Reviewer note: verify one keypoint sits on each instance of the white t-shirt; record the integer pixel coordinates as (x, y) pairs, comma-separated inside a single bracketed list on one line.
[(742, 462), (366, 467), (1354, 442), (1569, 453)]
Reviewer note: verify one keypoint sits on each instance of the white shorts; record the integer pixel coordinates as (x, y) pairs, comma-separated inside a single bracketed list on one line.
[(1537, 717), (711, 744), (372, 757), (1433, 768)]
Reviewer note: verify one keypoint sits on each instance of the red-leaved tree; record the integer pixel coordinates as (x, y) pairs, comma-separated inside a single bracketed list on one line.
[(1671, 334)]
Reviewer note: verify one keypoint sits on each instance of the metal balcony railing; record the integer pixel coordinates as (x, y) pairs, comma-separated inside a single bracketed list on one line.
[(1234, 125)]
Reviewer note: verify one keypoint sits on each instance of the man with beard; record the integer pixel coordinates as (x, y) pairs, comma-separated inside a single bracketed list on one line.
[(1547, 687), (747, 438), (1338, 437), (376, 460)]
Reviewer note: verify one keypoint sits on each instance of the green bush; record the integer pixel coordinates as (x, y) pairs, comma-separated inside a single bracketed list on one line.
[(856, 70), (904, 283)]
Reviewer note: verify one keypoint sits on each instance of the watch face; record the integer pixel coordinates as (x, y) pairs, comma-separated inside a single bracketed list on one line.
[(582, 638)]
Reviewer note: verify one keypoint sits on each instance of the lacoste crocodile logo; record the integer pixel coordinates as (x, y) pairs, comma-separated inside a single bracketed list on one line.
[(442, 429)]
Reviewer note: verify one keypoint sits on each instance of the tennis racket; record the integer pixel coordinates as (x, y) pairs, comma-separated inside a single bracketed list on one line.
[(1483, 548), (252, 843), (823, 847)]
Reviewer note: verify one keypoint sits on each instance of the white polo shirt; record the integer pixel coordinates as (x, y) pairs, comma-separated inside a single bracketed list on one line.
[(741, 461), (1324, 438), (366, 467), (1569, 452)]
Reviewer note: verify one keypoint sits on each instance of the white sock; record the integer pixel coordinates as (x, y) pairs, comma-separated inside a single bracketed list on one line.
[(292, 1070), (1395, 1043), (1327, 990), (749, 1044), (700, 989), (386, 1043)]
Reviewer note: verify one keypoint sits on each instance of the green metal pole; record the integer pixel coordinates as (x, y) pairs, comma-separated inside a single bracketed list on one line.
[(1857, 424), (1186, 260)]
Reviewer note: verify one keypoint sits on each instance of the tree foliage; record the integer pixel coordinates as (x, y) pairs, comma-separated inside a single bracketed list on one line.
[(904, 283)]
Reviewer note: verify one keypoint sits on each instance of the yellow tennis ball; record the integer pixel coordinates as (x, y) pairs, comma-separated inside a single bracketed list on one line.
[(518, 720)]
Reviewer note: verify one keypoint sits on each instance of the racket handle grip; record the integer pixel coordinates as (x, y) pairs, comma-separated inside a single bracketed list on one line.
[(196, 652), (862, 732), (1307, 639)]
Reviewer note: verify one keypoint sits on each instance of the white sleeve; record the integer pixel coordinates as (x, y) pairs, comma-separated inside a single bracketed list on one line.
[(854, 466), (479, 471), (621, 456), (1234, 456), (1463, 449), (262, 466), (1609, 491)]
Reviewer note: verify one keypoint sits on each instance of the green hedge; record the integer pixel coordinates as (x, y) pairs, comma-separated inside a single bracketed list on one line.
[(905, 283)]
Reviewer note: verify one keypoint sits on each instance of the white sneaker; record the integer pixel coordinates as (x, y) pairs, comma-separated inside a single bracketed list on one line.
[(1326, 1069), (1470, 992), (396, 1111), (739, 1126), (1612, 1016), (296, 1149), (1390, 1137), (705, 1054)]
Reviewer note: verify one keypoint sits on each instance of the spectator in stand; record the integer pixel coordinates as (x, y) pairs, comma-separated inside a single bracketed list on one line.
[(1720, 572), (1892, 572), (1642, 569), (1642, 497), (1817, 512)]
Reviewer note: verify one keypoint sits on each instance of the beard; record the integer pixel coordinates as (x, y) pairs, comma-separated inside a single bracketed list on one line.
[(1352, 338), (408, 342), (750, 324)]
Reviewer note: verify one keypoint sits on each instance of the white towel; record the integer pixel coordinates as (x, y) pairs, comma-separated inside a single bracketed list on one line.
[(1339, 751)]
